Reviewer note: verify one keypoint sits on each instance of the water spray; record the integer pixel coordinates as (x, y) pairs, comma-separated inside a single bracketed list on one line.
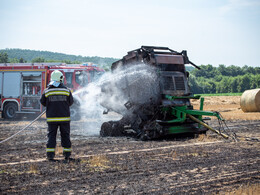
[(95, 99)]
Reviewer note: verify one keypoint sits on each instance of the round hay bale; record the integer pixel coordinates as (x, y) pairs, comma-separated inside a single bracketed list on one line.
[(250, 100)]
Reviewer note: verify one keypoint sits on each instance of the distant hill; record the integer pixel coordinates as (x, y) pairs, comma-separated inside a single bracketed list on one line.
[(29, 55)]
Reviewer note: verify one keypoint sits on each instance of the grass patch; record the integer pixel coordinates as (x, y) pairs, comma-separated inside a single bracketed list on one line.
[(99, 162), (33, 169), (221, 94), (205, 138), (2, 171)]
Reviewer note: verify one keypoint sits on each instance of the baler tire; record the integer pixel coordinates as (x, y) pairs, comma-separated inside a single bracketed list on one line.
[(106, 129), (117, 129)]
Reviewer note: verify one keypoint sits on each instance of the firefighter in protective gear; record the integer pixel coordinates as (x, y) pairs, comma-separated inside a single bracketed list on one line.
[(57, 98)]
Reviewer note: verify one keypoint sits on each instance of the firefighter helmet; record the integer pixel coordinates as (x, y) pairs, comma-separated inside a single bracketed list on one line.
[(56, 75)]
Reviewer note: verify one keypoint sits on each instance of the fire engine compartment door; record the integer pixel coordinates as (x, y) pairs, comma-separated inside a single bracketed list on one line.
[(11, 85), (31, 74)]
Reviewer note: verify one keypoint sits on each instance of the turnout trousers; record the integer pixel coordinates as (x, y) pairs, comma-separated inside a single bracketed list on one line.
[(65, 139)]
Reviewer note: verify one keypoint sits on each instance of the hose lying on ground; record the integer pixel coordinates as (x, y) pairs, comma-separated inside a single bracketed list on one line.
[(23, 128)]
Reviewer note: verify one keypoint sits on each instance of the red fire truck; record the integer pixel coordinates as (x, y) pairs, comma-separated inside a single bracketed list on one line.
[(21, 85)]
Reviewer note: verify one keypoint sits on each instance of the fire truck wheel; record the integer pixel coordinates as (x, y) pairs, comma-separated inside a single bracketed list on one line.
[(10, 110)]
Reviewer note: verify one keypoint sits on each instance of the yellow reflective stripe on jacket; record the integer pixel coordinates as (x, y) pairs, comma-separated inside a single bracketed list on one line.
[(67, 149), (56, 89), (58, 119), (57, 93), (50, 149)]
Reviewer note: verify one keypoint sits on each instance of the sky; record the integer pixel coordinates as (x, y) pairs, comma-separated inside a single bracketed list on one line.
[(212, 31)]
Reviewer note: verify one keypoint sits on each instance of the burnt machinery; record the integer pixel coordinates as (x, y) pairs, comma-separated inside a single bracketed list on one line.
[(152, 93)]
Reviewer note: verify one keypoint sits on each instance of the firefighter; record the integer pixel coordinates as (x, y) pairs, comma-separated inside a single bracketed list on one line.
[(57, 99)]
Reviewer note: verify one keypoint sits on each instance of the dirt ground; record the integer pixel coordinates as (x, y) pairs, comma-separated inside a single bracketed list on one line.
[(207, 164)]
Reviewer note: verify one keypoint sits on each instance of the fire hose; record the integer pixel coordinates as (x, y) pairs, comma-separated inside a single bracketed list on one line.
[(23, 128)]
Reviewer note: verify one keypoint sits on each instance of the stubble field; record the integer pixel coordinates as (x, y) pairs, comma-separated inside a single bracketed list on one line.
[(203, 165)]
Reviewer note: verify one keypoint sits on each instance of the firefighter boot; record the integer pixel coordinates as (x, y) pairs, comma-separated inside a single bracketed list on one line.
[(67, 155), (50, 156)]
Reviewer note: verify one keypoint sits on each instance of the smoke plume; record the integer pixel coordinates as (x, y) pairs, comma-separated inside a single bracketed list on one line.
[(137, 84)]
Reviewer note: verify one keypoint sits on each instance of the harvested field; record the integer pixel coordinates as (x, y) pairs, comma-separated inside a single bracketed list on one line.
[(228, 106), (204, 165)]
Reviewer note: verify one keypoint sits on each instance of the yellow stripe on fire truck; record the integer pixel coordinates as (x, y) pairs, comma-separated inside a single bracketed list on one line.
[(58, 119)]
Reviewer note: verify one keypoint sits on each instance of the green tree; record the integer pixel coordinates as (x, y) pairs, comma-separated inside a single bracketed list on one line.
[(255, 81), (206, 87), (195, 87), (258, 80), (234, 85), (244, 83), (257, 70), (3, 57), (213, 86), (222, 70), (38, 60), (224, 86), (207, 71), (233, 70), (14, 60), (21, 60)]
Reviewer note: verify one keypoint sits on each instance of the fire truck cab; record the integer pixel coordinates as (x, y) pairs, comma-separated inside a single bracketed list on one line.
[(21, 86), (77, 76)]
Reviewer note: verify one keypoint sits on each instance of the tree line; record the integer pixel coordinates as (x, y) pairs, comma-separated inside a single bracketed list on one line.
[(33, 56), (224, 79), (209, 79)]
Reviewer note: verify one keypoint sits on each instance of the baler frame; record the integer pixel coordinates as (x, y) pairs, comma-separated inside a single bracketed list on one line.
[(171, 112)]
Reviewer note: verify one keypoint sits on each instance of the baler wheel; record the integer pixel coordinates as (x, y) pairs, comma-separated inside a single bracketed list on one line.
[(117, 129), (106, 129)]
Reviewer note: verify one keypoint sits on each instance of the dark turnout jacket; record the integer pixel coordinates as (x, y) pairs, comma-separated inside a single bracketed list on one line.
[(57, 101)]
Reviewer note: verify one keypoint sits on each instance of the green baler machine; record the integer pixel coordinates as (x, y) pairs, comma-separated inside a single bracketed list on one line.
[(151, 92), (183, 114)]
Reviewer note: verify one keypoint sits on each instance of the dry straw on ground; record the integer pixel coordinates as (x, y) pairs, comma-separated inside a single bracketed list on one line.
[(249, 189)]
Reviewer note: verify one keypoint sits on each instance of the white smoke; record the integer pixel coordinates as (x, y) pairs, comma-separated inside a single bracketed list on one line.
[(109, 92)]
